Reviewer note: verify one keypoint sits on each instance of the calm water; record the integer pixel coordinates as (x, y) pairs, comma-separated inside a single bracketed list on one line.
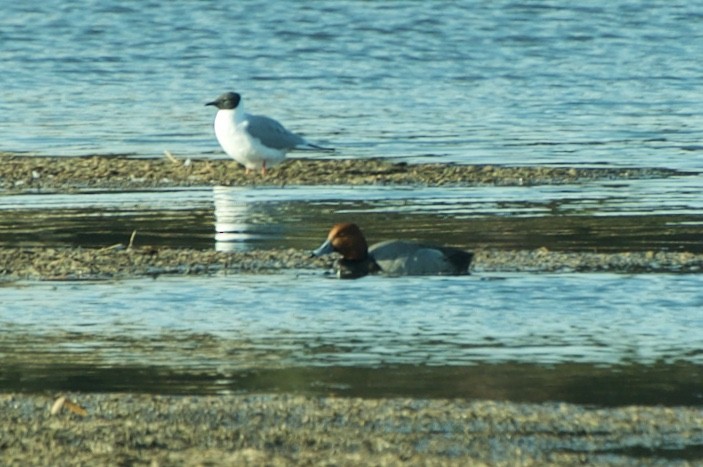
[(610, 83), (374, 321), (587, 338), (661, 214), (499, 82)]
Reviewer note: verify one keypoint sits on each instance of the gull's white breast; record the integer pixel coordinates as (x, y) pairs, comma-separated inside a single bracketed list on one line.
[(240, 145)]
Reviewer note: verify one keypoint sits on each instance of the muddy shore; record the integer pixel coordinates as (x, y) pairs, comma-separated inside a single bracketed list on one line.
[(120, 262), (281, 430)]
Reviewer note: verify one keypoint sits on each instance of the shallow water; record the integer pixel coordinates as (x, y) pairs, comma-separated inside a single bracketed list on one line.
[(607, 84), (657, 214), (594, 318), (492, 82), (479, 335), (589, 338)]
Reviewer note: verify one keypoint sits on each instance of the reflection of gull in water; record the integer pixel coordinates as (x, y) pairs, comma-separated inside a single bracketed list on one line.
[(242, 220)]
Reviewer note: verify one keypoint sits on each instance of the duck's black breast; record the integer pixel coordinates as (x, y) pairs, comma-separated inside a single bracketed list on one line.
[(353, 269)]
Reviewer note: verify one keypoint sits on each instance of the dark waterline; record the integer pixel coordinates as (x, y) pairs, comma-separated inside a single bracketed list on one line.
[(660, 384)]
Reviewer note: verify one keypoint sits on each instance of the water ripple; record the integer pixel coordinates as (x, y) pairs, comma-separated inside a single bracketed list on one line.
[(230, 321), (366, 77)]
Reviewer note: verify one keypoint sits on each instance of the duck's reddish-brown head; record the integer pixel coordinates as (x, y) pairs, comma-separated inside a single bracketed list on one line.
[(345, 238)]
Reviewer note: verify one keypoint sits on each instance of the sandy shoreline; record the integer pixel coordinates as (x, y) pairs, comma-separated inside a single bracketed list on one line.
[(66, 174), (142, 429)]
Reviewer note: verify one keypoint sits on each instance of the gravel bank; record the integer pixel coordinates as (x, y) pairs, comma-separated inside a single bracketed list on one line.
[(280, 430), (120, 262), (66, 174), (22, 173)]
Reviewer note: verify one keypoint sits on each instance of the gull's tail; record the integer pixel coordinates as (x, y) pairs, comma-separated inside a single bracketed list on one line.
[(313, 147)]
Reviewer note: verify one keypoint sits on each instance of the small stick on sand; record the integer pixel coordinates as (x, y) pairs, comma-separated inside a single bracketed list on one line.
[(170, 156), (116, 246), (64, 402), (131, 239)]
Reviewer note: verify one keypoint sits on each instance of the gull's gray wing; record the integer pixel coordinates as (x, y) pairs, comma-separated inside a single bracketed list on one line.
[(271, 133)]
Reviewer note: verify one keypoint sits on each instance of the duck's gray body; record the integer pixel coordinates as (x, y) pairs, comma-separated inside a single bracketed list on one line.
[(399, 258)]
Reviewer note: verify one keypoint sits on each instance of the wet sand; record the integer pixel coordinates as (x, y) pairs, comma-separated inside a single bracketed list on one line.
[(136, 429), (121, 262)]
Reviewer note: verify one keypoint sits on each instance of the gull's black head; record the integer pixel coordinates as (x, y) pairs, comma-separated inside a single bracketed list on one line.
[(228, 100)]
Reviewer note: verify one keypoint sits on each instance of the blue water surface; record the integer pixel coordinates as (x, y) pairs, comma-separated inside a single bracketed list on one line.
[(470, 82), (303, 319), (500, 82)]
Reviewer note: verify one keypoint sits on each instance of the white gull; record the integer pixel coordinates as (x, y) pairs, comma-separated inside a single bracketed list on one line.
[(255, 141)]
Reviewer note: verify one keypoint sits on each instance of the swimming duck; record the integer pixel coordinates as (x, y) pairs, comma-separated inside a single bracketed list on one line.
[(392, 257), (255, 141)]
